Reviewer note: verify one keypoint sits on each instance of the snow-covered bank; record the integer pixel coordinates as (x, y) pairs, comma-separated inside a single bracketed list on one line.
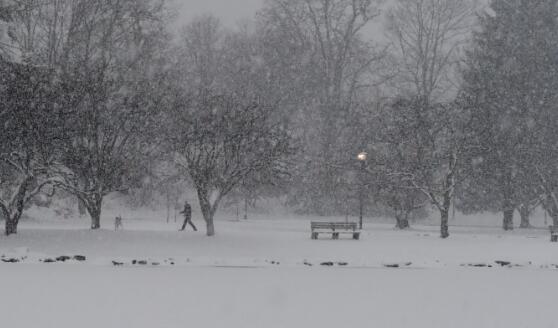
[(90, 296), (287, 241), (269, 273)]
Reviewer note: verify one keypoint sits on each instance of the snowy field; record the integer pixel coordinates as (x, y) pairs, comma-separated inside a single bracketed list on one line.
[(269, 273)]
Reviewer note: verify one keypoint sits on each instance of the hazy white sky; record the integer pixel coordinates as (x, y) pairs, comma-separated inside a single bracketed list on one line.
[(230, 11)]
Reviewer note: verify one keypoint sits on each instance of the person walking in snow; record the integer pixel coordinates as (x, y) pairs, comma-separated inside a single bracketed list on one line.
[(187, 217)]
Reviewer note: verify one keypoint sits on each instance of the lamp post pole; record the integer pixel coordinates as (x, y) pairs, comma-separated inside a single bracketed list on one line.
[(362, 158)]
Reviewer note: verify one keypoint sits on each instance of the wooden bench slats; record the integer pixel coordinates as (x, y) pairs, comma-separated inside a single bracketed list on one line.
[(336, 225), (335, 228), (339, 231)]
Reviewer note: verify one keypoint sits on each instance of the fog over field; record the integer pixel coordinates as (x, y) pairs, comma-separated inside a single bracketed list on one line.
[(229, 11)]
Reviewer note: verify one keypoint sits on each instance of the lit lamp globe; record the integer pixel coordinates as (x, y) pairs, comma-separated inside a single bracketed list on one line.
[(362, 156)]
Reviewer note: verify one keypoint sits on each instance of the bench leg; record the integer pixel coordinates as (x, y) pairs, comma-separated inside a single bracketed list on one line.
[(335, 235), (314, 235), (356, 235)]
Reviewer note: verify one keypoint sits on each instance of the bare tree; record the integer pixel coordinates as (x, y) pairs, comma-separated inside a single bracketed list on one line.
[(31, 127), (398, 147), (426, 38), (223, 140), (324, 40), (111, 74), (224, 121), (427, 145)]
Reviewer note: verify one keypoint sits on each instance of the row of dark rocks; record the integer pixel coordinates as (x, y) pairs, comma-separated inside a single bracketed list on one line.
[(327, 263), (170, 261), (143, 262), (81, 258), (507, 264), (63, 258)]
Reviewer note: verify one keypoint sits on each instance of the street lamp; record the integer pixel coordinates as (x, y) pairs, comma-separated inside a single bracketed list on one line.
[(362, 159)]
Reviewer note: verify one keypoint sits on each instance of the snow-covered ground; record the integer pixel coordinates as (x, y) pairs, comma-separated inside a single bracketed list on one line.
[(269, 273)]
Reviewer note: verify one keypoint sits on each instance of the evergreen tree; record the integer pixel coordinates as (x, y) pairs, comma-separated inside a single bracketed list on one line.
[(5, 18), (507, 85)]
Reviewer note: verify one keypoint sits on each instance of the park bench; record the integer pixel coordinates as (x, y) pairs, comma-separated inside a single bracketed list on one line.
[(335, 228), (553, 233)]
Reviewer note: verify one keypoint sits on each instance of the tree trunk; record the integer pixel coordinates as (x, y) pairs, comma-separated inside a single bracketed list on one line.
[(208, 211), (11, 227), (402, 221), (555, 218), (95, 219), (82, 205), (94, 207), (16, 207), (509, 205), (444, 214), (82, 209), (552, 210), (447, 196), (508, 219), (210, 227), (245, 208), (444, 227), (550, 206), (12, 221), (524, 213)]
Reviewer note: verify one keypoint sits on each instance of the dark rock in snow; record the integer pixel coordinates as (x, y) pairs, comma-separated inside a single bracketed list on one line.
[(63, 258), (502, 263), (398, 265), (327, 263), (155, 263), (80, 258), (115, 263), (10, 260), (143, 262), (49, 261), (342, 263), (134, 262)]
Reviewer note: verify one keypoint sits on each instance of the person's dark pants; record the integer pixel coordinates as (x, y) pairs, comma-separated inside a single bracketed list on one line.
[(188, 221)]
